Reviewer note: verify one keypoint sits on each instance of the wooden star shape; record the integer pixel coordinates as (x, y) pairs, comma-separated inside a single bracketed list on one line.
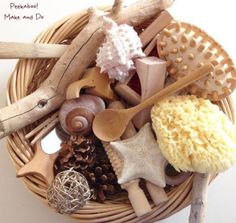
[(142, 158)]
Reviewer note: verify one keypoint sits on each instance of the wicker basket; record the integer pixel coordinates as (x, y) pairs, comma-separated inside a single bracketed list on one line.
[(26, 78)]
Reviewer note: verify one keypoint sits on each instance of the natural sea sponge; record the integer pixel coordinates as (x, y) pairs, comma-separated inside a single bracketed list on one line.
[(194, 135)]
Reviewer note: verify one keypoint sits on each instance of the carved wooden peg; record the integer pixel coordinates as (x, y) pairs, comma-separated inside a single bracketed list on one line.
[(96, 83), (137, 197), (157, 194), (151, 72)]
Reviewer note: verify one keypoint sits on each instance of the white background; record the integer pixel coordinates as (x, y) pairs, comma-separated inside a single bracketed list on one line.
[(17, 204)]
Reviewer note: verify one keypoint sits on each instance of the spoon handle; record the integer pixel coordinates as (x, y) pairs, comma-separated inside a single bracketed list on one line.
[(178, 85)]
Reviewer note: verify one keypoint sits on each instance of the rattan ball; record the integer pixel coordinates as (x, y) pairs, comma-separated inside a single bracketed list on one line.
[(68, 192)]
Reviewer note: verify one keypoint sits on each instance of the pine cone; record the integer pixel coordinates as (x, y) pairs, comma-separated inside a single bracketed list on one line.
[(87, 156)]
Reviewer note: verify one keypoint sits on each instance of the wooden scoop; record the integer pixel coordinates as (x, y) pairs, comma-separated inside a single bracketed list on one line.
[(109, 124), (96, 83)]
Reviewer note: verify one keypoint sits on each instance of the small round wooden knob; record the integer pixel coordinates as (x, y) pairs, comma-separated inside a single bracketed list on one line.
[(76, 115)]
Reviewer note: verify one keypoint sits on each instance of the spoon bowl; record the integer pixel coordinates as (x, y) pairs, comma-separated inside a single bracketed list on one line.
[(109, 124)]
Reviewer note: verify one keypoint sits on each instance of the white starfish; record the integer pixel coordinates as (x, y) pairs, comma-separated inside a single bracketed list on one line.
[(142, 158)]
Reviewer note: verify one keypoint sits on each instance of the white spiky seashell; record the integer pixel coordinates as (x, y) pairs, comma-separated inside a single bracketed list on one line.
[(121, 46), (164, 4)]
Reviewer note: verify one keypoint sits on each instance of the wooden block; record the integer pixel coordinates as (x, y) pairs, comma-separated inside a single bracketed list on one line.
[(156, 26), (151, 72), (151, 46), (127, 93)]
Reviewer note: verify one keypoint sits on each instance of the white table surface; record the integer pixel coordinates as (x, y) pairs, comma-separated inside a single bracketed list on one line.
[(17, 204)]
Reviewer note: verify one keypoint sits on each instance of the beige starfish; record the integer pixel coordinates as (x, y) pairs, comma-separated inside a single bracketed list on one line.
[(141, 157)]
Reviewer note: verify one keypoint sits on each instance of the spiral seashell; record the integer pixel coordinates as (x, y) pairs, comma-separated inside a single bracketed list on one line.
[(116, 54), (76, 115)]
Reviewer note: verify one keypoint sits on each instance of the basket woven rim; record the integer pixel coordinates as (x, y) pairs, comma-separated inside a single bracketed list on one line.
[(26, 77)]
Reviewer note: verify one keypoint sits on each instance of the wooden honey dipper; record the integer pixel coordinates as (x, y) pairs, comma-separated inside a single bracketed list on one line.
[(109, 124)]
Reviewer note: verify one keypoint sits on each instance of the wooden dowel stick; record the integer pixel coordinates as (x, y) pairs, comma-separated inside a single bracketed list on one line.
[(41, 126), (137, 198), (15, 50), (45, 131)]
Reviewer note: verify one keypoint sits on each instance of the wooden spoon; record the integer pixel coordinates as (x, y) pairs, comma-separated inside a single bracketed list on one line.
[(109, 124)]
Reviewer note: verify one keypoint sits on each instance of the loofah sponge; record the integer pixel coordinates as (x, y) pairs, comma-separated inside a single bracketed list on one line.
[(194, 135)]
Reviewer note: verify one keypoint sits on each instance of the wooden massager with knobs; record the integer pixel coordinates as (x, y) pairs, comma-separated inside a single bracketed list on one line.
[(186, 47)]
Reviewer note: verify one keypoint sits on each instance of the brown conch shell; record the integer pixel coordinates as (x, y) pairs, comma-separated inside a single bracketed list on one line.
[(76, 115)]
